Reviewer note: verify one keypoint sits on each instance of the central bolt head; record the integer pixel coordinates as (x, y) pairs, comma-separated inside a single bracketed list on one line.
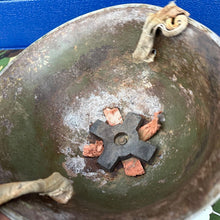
[(121, 139)]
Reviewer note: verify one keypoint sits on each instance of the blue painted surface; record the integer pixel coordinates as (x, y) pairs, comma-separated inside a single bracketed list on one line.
[(22, 22)]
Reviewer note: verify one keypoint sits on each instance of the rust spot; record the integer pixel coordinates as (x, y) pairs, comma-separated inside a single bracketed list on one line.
[(113, 116), (133, 167), (3, 217), (150, 129), (93, 150)]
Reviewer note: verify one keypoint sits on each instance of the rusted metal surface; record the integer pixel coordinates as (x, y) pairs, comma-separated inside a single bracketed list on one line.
[(48, 95), (3, 217)]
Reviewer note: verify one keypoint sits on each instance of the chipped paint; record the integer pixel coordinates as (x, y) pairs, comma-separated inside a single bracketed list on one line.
[(79, 117), (75, 164)]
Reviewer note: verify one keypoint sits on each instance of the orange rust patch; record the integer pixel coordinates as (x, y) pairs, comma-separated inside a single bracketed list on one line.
[(133, 167), (93, 150), (150, 129), (113, 116)]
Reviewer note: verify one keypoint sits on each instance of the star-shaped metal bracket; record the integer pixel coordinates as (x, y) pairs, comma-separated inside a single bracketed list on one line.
[(121, 141)]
